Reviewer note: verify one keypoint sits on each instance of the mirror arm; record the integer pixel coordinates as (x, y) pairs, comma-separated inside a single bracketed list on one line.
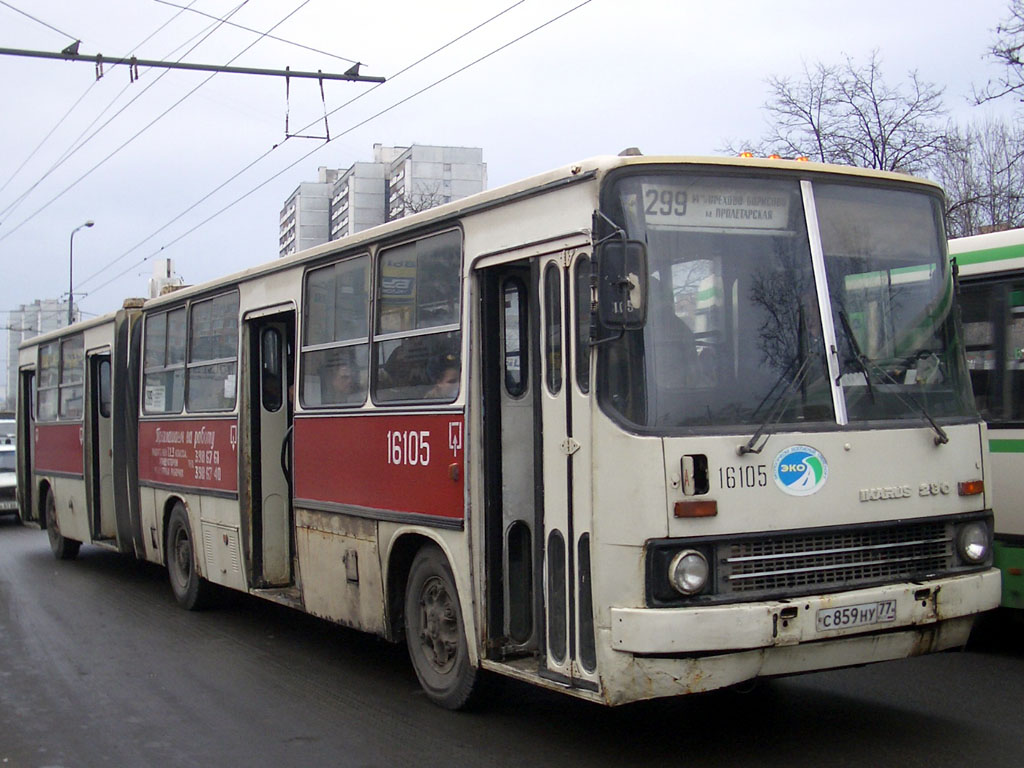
[(618, 232), (596, 342)]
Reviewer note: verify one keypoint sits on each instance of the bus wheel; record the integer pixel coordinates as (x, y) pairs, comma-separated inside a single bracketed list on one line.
[(190, 589), (434, 631), (62, 548)]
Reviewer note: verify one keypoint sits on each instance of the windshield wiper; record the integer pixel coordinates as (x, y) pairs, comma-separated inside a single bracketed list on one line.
[(941, 438), (858, 356), (778, 405)]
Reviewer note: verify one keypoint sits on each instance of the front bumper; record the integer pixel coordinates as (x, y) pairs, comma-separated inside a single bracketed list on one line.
[(777, 623)]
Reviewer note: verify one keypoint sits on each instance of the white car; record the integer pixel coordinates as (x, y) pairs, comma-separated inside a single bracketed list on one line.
[(8, 480)]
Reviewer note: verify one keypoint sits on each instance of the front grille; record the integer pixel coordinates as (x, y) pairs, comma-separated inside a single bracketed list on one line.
[(8, 493), (771, 566), (848, 558)]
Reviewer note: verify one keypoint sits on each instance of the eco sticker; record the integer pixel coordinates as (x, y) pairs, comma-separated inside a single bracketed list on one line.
[(800, 470)]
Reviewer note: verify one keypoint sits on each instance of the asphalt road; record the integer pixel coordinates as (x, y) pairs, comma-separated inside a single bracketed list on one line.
[(99, 667)]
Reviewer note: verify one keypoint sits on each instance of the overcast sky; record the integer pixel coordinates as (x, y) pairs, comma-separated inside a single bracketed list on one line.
[(668, 77)]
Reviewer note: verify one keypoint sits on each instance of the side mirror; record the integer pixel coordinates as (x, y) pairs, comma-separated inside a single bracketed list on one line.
[(622, 284)]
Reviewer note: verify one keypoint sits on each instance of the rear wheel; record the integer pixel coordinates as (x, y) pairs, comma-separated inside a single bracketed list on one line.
[(63, 548), (434, 631), (190, 589)]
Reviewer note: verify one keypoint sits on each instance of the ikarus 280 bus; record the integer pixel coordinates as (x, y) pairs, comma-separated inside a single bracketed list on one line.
[(636, 427)]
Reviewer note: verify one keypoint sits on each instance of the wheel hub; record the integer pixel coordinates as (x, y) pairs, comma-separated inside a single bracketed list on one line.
[(439, 625)]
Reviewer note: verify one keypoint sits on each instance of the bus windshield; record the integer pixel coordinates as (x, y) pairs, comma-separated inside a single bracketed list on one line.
[(734, 334)]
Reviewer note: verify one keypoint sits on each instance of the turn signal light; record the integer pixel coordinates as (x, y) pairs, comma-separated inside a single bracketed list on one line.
[(696, 509), (970, 487)]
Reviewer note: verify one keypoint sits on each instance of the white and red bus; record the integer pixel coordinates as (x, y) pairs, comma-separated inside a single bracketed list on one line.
[(636, 427)]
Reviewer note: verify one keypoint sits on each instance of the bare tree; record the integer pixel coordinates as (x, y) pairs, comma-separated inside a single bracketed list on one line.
[(1008, 49), (424, 197), (982, 173), (848, 114)]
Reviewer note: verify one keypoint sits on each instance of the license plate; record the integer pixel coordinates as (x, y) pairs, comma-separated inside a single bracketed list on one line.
[(4, 505), (856, 615)]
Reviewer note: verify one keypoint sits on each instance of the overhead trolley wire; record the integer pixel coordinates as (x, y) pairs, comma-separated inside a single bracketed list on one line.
[(72, 148), (334, 138), (38, 21), (223, 184), (144, 129), (256, 31)]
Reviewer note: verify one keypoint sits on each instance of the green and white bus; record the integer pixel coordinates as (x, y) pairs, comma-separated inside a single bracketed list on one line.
[(991, 270)]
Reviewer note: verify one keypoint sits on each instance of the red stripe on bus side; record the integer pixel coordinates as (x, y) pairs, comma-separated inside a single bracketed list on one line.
[(407, 463), (58, 448)]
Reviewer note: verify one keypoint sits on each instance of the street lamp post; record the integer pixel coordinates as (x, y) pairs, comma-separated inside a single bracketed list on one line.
[(71, 271)]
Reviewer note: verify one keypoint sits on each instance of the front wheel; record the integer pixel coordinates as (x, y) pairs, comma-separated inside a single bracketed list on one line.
[(434, 631), (190, 589), (62, 547)]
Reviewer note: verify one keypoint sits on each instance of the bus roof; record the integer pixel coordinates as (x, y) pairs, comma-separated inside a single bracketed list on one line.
[(589, 169), (992, 252), (81, 325)]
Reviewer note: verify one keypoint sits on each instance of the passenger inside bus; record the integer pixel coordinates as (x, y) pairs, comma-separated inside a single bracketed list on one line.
[(340, 380), (446, 380)]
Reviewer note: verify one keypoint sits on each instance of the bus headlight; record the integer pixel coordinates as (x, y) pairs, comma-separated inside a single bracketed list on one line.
[(972, 542), (688, 572)]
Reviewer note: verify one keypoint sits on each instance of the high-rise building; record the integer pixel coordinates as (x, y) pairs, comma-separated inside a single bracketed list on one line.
[(358, 199), (422, 177), (306, 216), (399, 181)]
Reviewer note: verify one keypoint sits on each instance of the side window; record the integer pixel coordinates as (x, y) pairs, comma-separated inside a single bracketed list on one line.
[(553, 328), (271, 370), (583, 324), (335, 334), (417, 344), (516, 346), (163, 376), (213, 354), (47, 380), (104, 386), (72, 378), (993, 323)]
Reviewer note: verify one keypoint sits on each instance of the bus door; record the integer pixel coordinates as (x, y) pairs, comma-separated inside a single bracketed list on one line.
[(536, 494), (563, 281), (272, 363), (26, 431), (100, 476), (512, 498)]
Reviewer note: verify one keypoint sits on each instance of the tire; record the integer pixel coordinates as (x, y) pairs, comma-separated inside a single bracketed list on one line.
[(190, 589), (434, 632), (62, 547)]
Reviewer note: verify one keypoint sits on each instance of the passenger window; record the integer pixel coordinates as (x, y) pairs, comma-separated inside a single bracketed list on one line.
[(72, 378), (213, 354), (335, 335), (47, 381), (417, 348), (163, 381)]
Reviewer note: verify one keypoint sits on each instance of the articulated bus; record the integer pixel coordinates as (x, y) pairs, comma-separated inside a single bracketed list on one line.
[(636, 427), (991, 269)]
